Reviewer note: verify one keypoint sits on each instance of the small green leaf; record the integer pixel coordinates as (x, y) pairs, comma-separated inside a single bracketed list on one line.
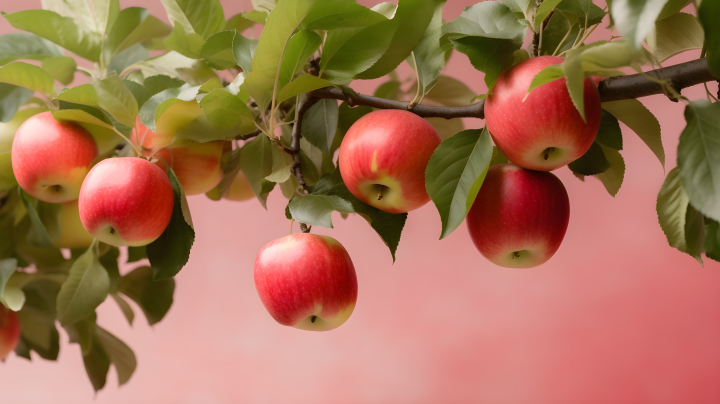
[(60, 68), (316, 210), (154, 297), (116, 99), (320, 124), (80, 115), (488, 55), (672, 7), (243, 51), (298, 50), (133, 25), (698, 160), (238, 22), (11, 98), (225, 111), (24, 45), (159, 83), (638, 118), (136, 254), (446, 127), (636, 18), (678, 219), (86, 287), (11, 296), (584, 10), (26, 75), (176, 65), (708, 12), (302, 84), (256, 16), (61, 30), (171, 251), (560, 33), (389, 90), (712, 240), (200, 17), (592, 162), (612, 178), (156, 105), (138, 91), (455, 173), (676, 34), (451, 92), (218, 50), (124, 307), (575, 80), (121, 356), (606, 55), (546, 7), (609, 133), (38, 235)]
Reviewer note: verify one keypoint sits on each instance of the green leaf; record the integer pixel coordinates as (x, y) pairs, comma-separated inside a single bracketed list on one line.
[(24, 45), (488, 55), (298, 50), (560, 32), (256, 16), (316, 210), (97, 365), (11, 296), (38, 234), (636, 18), (174, 65), (187, 44), (243, 51), (606, 55), (130, 56), (225, 111), (390, 90), (60, 68), (238, 23), (430, 54), (159, 83), (80, 115), (346, 118), (410, 21), (136, 254), (455, 173), (677, 217), (138, 91), (218, 50), (320, 124), (86, 287), (133, 25), (11, 98), (699, 157), (446, 127), (638, 118), (708, 12), (546, 7), (302, 84), (592, 162), (154, 297), (61, 30), (26, 75), (116, 99), (84, 94), (37, 320), (121, 356), (712, 240), (609, 133), (171, 251), (676, 34), (584, 10), (201, 17), (451, 92), (124, 307), (575, 80), (156, 105)]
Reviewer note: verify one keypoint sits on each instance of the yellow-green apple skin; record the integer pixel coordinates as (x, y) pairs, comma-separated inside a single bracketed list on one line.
[(177, 116), (543, 131), (239, 189), (306, 281), (519, 217), (126, 201), (50, 159), (196, 165), (7, 134), (9, 331), (383, 159), (72, 232)]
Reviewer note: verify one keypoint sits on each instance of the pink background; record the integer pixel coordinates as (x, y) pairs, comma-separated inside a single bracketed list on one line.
[(617, 316)]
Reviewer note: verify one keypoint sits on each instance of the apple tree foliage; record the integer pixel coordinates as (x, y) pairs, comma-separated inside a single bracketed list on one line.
[(275, 99)]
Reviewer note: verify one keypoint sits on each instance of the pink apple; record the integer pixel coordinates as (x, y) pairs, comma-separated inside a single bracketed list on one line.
[(239, 189), (306, 281), (126, 201), (545, 131), (7, 134), (9, 331), (72, 232), (50, 159), (383, 159), (196, 165), (519, 217), (149, 141)]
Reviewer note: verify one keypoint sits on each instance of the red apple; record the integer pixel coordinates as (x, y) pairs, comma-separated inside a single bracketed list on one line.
[(239, 189), (306, 281), (544, 131), (9, 331), (50, 159), (149, 141), (72, 232), (383, 159), (126, 201), (519, 217), (196, 165), (7, 134)]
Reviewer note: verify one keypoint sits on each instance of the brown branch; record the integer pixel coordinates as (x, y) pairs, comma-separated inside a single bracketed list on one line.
[(248, 135), (612, 89), (303, 107)]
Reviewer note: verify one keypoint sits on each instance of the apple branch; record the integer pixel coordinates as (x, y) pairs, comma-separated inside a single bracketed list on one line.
[(638, 85), (303, 107)]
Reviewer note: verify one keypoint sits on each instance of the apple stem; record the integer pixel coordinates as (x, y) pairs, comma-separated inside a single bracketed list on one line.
[(313, 318), (54, 188), (112, 230), (380, 192), (516, 254)]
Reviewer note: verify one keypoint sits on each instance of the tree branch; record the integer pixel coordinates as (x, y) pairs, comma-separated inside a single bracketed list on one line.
[(611, 89), (303, 107)]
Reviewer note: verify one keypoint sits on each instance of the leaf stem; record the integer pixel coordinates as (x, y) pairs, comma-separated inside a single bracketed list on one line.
[(419, 95)]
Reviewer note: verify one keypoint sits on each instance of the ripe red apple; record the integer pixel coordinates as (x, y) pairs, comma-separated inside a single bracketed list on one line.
[(196, 165), (544, 131), (383, 159), (72, 232), (50, 159), (126, 201), (9, 331), (149, 141), (7, 134), (519, 217), (239, 189), (306, 281)]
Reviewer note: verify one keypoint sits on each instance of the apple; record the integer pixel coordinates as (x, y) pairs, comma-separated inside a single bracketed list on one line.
[(383, 159), (239, 189), (50, 159), (7, 134), (9, 331), (519, 217), (149, 141), (196, 165), (306, 281), (126, 201), (543, 131), (72, 232), (177, 116)]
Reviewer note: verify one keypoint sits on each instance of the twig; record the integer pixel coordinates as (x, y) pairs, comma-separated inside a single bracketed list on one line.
[(248, 135)]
